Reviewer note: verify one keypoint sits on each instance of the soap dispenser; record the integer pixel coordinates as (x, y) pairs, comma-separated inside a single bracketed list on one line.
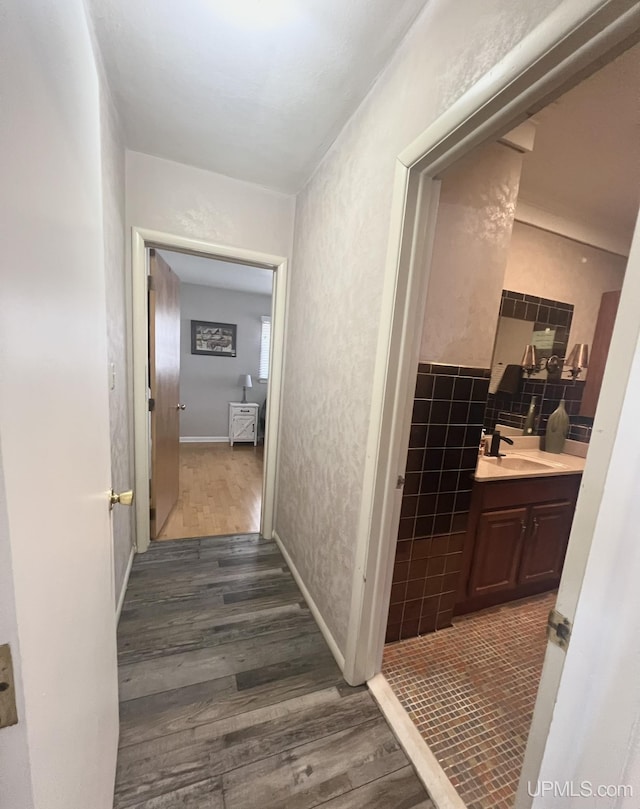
[(530, 421)]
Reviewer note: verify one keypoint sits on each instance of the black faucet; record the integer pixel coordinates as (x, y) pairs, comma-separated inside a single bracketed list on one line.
[(496, 438)]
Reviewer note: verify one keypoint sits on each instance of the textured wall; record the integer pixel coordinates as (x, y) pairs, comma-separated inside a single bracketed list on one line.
[(122, 477), (342, 226), (552, 266), (473, 232), (198, 204), (208, 384)]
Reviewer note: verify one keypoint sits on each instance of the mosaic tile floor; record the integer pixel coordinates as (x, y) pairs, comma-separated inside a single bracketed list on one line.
[(470, 689)]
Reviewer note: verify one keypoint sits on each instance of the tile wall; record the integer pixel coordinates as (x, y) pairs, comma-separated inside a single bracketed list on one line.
[(543, 312), (511, 409), (448, 415)]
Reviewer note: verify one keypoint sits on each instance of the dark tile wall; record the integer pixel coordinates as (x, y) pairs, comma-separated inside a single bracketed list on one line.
[(577, 432), (544, 312), (448, 414), (512, 409)]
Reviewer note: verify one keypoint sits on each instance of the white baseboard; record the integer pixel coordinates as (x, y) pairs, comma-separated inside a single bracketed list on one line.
[(426, 765), (125, 582), (322, 626), (204, 439)]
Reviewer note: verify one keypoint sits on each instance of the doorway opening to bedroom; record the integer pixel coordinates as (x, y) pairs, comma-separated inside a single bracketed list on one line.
[(209, 359)]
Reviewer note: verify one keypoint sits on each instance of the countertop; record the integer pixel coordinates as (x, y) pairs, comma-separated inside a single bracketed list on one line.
[(527, 463)]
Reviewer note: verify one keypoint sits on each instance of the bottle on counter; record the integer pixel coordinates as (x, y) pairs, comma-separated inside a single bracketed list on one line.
[(530, 421)]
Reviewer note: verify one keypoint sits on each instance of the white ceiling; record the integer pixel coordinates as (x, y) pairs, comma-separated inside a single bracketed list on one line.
[(222, 274), (585, 164), (254, 89)]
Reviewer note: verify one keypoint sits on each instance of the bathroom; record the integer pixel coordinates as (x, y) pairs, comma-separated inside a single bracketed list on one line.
[(528, 262)]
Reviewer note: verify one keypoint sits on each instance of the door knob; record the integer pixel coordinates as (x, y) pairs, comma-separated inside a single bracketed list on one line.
[(181, 407), (124, 498)]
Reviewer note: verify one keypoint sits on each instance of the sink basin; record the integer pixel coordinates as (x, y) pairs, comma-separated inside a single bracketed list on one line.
[(517, 463)]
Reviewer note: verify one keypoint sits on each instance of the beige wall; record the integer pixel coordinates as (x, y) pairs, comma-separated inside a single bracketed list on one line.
[(473, 232), (342, 227), (552, 266), (198, 204)]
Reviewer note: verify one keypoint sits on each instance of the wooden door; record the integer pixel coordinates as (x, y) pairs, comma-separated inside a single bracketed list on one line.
[(546, 544), (498, 549), (164, 385), (599, 351)]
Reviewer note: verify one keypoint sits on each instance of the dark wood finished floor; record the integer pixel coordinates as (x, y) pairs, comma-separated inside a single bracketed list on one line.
[(230, 698)]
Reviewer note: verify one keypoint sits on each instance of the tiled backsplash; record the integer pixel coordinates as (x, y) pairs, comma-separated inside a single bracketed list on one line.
[(542, 312), (577, 432), (448, 415), (512, 409)]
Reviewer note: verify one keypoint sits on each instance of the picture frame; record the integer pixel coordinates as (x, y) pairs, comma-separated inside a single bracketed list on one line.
[(213, 339)]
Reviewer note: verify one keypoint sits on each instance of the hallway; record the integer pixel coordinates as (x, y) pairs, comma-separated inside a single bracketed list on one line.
[(230, 698)]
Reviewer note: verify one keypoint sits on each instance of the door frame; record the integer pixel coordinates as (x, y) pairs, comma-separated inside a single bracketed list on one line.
[(141, 240), (575, 40)]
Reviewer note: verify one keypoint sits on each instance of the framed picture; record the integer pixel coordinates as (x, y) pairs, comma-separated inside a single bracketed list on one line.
[(213, 339)]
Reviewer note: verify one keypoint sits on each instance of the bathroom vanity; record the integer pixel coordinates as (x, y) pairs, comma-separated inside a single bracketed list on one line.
[(522, 508)]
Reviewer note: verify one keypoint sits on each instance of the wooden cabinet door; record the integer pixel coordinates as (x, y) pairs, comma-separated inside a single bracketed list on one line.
[(546, 543), (498, 549)]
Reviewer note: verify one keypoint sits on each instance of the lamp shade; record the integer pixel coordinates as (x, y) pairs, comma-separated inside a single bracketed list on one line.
[(529, 359), (245, 381), (579, 357)]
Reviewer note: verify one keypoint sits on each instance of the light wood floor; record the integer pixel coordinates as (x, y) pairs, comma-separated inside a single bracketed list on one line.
[(220, 491), (230, 698)]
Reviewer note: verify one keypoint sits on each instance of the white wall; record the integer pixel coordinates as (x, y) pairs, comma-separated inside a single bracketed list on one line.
[(342, 226), (208, 384), (122, 477), (470, 252), (552, 266), (54, 425), (198, 204)]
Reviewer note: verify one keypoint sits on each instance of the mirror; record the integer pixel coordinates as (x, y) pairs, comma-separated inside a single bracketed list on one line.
[(529, 320)]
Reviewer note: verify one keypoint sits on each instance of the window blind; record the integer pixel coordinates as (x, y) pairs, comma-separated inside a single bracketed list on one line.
[(265, 348)]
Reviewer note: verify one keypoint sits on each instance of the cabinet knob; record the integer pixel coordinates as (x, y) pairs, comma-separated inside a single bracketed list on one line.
[(181, 407)]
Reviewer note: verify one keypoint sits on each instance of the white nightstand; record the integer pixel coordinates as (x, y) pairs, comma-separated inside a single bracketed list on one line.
[(243, 422)]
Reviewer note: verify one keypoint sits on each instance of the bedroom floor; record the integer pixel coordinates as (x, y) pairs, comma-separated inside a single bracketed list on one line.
[(220, 491)]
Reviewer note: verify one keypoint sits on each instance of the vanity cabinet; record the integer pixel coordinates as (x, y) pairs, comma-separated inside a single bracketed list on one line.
[(498, 547), (516, 540), (545, 543)]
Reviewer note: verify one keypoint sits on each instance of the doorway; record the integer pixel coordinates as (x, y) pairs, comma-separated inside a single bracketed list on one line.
[(482, 538), (196, 509), (209, 351), (416, 242)]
